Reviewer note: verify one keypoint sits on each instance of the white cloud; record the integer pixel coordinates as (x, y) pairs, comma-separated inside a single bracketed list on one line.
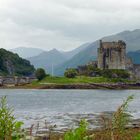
[(64, 24)]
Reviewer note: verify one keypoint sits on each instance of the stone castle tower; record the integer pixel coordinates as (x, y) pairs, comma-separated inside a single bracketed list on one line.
[(112, 55)]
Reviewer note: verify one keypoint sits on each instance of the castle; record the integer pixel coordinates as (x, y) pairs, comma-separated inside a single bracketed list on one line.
[(112, 55)]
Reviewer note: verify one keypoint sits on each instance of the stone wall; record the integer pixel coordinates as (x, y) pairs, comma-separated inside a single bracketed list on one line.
[(14, 80)]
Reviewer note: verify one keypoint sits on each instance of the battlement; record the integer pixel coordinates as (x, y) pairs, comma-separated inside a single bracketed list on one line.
[(108, 45)]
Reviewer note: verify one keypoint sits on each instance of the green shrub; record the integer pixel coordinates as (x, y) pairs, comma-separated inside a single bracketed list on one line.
[(108, 73), (79, 133), (91, 70), (10, 129), (137, 137), (116, 125), (121, 117), (40, 74), (70, 73)]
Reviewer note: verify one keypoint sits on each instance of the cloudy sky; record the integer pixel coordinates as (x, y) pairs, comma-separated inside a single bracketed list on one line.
[(64, 24)]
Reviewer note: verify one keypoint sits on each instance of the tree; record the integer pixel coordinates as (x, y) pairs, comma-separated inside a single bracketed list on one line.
[(40, 74), (70, 73)]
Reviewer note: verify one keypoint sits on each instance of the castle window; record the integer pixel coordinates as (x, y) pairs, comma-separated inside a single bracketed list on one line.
[(107, 52)]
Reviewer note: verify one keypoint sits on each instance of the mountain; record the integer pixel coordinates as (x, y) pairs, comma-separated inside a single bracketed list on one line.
[(70, 54), (132, 39), (83, 57), (25, 52), (12, 64), (135, 55), (48, 59)]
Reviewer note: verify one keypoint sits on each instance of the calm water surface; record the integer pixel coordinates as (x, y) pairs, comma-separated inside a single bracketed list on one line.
[(63, 107)]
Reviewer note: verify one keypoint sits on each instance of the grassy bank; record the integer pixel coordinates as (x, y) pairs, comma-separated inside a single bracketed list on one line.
[(78, 80)]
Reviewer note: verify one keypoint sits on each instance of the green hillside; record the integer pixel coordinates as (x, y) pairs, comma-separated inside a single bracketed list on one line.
[(135, 56), (12, 64)]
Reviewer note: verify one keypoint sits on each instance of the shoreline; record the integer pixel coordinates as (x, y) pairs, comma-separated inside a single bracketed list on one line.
[(108, 86), (96, 134), (133, 127), (99, 123)]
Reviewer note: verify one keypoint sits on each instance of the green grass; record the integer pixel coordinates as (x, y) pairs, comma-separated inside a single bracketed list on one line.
[(77, 80)]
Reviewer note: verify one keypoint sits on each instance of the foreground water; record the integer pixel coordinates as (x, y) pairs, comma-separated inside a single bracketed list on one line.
[(66, 107)]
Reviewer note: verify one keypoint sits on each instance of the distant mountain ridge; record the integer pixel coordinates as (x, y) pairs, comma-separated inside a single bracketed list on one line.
[(48, 59), (25, 52), (70, 54), (53, 58)]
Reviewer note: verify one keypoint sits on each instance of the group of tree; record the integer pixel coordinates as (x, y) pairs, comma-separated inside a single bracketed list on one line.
[(70, 73), (91, 71)]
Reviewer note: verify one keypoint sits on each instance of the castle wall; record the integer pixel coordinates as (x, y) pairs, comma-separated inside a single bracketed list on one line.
[(100, 58), (117, 58), (136, 71)]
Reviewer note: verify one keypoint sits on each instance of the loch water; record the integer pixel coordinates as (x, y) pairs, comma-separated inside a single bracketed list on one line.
[(66, 107)]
